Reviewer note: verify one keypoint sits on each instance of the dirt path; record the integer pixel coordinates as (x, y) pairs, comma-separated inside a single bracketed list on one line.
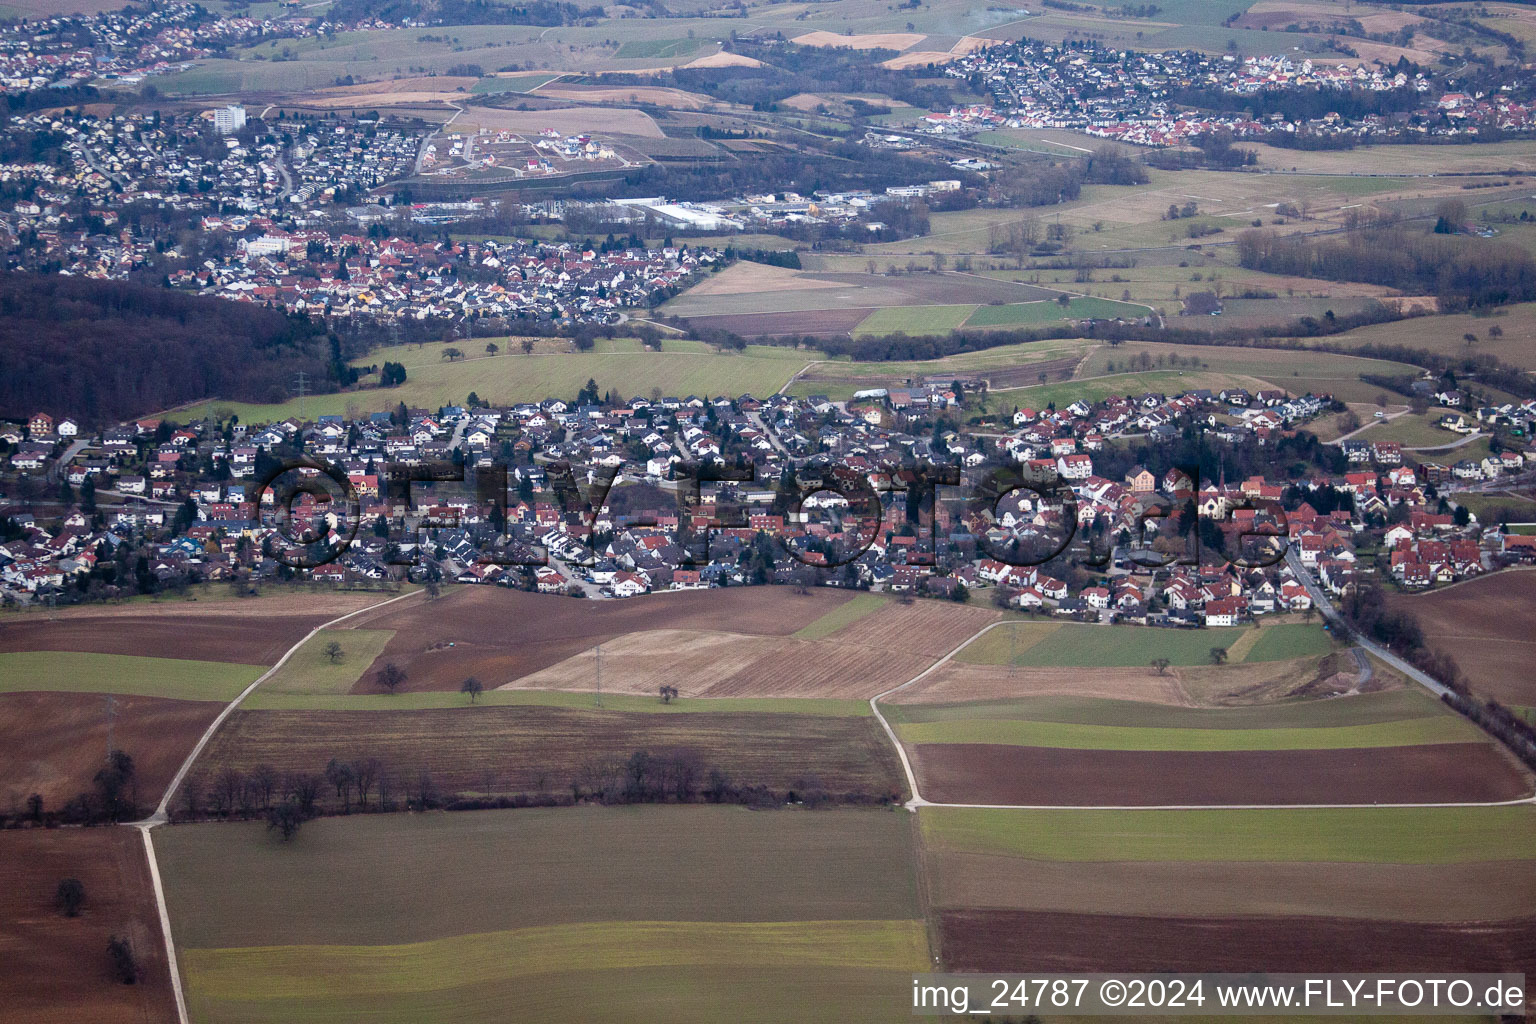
[(161, 815)]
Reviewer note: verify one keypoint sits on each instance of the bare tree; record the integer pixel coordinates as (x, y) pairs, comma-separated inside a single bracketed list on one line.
[(192, 796), (1218, 655), (263, 782), (473, 687), (391, 676), (334, 652), (668, 694), (123, 963), (339, 775), (285, 819), (364, 771), (227, 787), (1161, 664), (303, 788), (69, 897)]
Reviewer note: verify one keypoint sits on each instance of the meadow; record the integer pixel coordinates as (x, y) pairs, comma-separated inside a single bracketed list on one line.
[(1076, 645), (1416, 835), (1296, 371), (77, 672), (681, 368), (809, 916), (312, 671), (1072, 736)]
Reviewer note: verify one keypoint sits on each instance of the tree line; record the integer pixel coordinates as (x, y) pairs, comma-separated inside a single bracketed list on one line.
[(367, 784), (1462, 273)]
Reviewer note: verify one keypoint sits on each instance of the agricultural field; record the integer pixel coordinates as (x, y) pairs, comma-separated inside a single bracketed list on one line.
[(767, 301), (1446, 334), (56, 968), (75, 672), (313, 670), (914, 320), (1297, 372), (245, 631), (500, 635), (1273, 889), (1056, 644), (1003, 367), (53, 744), (494, 751), (843, 615), (1251, 731), (681, 368), (714, 664), (1484, 625), (674, 912)]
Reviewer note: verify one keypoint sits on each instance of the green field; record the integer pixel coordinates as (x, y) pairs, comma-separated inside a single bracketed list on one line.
[(840, 378), (680, 369), (512, 83), (811, 916), (1298, 372), (1021, 314), (310, 669), (262, 700), (658, 48), (1337, 712), (77, 672), (1430, 835), (914, 319), (1094, 389), (1091, 646), (844, 614), (1406, 732)]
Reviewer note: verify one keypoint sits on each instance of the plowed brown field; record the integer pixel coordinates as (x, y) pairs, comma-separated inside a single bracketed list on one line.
[(991, 774), (53, 744), (253, 632), (1479, 890), (1003, 940), (709, 664), (56, 968), (499, 635), (508, 750), (1487, 626), (932, 628)]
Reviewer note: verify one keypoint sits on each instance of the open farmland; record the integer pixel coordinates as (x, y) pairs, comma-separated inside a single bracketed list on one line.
[(501, 635), (1003, 367), (1043, 732), (1004, 940), (1229, 887), (681, 368), (1297, 372), (175, 678), (928, 628), (1055, 644), (976, 773), (532, 749), (1485, 625), (313, 670), (53, 744), (56, 969), (881, 643), (1245, 684), (634, 909), (253, 631), (712, 664), (777, 309)]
